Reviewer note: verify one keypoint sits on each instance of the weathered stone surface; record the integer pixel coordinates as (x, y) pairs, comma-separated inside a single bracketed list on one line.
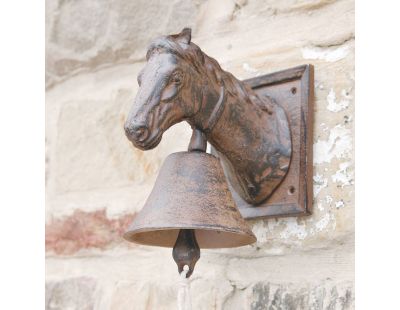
[(91, 164), (119, 31), (71, 294), (294, 297), (132, 295), (96, 180), (147, 278), (83, 230), (261, 296), (90, 33)]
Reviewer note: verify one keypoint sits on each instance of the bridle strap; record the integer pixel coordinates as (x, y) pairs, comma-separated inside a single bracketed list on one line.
[(216, 112)]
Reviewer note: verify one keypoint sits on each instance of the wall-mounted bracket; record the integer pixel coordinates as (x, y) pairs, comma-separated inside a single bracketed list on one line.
[(293, 90)]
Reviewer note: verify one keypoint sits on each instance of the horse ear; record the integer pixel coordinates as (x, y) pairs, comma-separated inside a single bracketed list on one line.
[(185, 36)]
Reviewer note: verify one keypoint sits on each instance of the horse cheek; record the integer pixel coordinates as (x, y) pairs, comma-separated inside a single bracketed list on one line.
[(188, 102), (169, 92)]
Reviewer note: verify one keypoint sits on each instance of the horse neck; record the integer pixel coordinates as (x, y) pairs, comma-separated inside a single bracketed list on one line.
[(209, 97), (230, 132), (237, 110)]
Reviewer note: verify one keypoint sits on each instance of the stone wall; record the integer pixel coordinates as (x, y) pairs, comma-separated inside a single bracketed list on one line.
[(96, 181)]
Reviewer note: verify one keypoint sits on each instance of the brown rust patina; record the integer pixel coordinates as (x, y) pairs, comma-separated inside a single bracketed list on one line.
[(250, 133)]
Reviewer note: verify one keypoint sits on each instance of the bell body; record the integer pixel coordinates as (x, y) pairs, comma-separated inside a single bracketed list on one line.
[(190, 192)]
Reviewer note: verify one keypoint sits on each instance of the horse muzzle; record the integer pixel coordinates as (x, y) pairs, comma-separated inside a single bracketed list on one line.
[(136, 133), (141, 136)]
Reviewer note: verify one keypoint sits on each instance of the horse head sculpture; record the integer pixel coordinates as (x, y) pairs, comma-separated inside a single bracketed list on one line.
[(251, 134)]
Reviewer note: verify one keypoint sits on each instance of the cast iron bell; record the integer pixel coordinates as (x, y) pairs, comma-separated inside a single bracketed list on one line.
[(190, 200)]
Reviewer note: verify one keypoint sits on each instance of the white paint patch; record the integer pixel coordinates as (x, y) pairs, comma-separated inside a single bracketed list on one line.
[(343, 176), (318, 85), (328, 199), (337, 106), (248, 68), (329, 54), (339, 204), (323, 223), (319, 183), (272, 223), (259, 229), (293, 229), (333, 221), (324, 127), (339, 145)]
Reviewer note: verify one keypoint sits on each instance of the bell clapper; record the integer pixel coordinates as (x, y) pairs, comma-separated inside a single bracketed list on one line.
[(186, 251)]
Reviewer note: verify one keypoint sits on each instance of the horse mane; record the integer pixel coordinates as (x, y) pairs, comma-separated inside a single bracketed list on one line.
[(205, 65)]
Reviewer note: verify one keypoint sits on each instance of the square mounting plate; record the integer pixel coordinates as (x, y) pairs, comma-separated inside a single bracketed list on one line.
[(293, 89)]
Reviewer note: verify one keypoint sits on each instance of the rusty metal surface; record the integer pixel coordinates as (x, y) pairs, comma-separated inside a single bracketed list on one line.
[(186, 250), (191, 192), (293, 90), (250, 131), (198, 141)]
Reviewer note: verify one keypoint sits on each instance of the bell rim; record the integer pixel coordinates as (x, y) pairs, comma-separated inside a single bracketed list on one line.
[(130, 233)]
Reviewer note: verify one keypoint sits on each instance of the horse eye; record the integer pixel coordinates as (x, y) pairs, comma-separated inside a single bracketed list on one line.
[(139, 79), (177, 78)]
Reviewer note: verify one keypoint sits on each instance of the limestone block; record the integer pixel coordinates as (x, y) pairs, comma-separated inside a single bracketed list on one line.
[(73, 294), (259, 296), (91, 164), (86, 35), (90, 33), (318, 296), (85, 230), (142, 277), (143, 296)]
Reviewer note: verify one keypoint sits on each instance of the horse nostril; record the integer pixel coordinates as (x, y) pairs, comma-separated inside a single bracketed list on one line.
[(138, 133), (141, 133)]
